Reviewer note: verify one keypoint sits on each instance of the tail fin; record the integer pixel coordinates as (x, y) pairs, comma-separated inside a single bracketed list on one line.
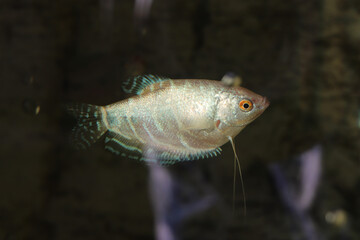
[(90, 126)]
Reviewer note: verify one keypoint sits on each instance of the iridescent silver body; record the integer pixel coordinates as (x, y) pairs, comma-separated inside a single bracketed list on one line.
[(168, 120), (182, 117)]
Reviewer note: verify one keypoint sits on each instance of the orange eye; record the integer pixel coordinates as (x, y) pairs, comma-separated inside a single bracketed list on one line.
[(246, 105)]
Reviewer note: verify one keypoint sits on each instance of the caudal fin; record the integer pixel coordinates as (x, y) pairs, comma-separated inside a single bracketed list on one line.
[(90, 126)]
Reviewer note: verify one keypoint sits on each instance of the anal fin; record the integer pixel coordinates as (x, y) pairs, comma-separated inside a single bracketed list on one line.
[(167, 158), (120, 145), (133, 149)]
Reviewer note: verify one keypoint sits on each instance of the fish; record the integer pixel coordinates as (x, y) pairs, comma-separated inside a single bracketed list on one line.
[(168, 120)]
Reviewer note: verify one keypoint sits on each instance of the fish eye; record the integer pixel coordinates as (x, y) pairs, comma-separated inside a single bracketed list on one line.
[(246, 105)]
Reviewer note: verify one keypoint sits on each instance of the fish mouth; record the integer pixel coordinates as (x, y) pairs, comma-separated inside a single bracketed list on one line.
[(264, 103)]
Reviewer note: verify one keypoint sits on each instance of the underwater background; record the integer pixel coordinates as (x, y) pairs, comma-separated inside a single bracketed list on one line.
[(300, 159)]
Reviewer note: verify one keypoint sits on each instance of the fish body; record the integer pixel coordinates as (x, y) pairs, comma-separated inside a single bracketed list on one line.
[(170, 120)]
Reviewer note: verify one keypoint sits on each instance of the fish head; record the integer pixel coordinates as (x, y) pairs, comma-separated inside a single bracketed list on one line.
[(238, 106)]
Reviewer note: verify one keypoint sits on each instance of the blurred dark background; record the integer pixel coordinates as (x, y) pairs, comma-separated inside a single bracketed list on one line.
[(303, 55)]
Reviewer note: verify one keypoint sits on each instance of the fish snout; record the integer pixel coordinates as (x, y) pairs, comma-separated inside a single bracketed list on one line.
[(266, 102), (262, 103)]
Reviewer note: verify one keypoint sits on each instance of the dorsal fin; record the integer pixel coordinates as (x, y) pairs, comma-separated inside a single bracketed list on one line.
[(136, 85)]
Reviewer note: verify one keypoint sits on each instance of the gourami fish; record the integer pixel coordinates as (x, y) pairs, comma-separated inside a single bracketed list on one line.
[(168, 121)]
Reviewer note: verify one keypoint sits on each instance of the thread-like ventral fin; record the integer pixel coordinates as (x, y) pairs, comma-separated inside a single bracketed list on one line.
[(236, 161), (90, 126), (136, 85)]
